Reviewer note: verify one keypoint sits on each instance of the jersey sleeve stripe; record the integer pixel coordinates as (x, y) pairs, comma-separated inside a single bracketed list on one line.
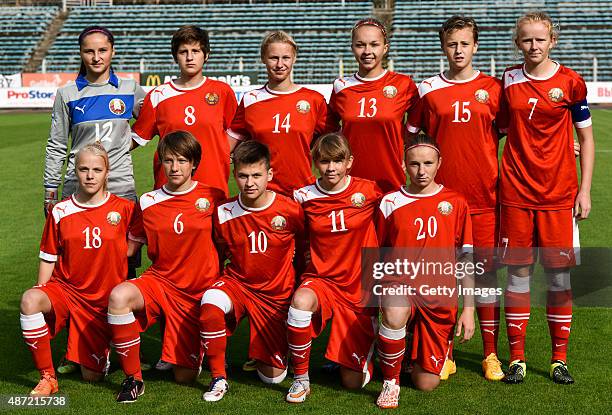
[(141, 141), (235, 135), (134, 238), (47, 257), (584, 124)]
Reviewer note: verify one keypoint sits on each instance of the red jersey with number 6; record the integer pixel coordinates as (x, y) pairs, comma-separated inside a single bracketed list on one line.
[(261, 245), (339, 224), (88, 244), (179, 236), (206, 111), (287, 123), (460, 116), (538, 165), (372, 114)]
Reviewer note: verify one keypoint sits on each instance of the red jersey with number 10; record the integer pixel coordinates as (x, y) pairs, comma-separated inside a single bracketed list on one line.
[(460, 116), (286, 123), (261, 244), (88, 244), (179, 236), (538, 165), (206, 111), (372, 114)]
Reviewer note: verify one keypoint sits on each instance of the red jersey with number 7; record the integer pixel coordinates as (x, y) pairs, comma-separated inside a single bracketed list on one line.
[(538, 168), (372, 113), (206, 111), (179, 227), (339, 224)]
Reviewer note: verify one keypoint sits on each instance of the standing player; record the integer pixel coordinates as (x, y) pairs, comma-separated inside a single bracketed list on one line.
[(339, 211), (178, 224), (540, 197), (82, 257), (371, 106), (458, 108), (283, 115), (97, 107), (433, 219), (193, 103), (256, 229)]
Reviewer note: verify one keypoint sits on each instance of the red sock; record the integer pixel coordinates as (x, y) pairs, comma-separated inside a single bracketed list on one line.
[(300, 343), (36, 335), (559, 316), (126, 339), (391, 348), (213, 337), (488, 317), (517, 308)]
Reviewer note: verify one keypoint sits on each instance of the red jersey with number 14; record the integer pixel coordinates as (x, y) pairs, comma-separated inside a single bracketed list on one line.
[(460, 116), (538, 165), (261, 244), (372, 114), (88, 244), (286, 123), (206, 111), (179, 236), (339, 224)]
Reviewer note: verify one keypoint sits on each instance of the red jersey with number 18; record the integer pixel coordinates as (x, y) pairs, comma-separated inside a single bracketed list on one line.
[(339, 224), (287, 123), (538, 168), (460, 116), (372, 114), (81, 238), (206, 111), (179, 236)]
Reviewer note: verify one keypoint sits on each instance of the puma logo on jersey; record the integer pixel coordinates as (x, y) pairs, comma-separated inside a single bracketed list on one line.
[(584, 107), (303, 192), (98, 359), (225, 208), (565, 254), (511, 76), (151, 195), (357, 358), (428, 83), (436, 361), (518, 326), (33, 345), (61, 209), (489, 331), (391, 201), (280, 359), (82, 109)]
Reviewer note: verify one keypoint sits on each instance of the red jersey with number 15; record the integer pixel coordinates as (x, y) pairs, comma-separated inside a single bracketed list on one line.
[(261, 245), (179, 236), (287, 123), (339, 224), (88, 244), (460, 116), (538, 165), (206, 111), (372, 114)]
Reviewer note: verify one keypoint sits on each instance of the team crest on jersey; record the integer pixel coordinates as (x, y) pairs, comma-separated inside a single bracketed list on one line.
[(482, 96), (202, 204), (116, 106), (445, 208), (113, 218), (358, 199), (211, 98), (555, 94), (278, 223), (302, 106), (389, 91)]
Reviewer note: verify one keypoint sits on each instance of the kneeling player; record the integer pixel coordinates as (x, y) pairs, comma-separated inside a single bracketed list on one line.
[(256, 229), (83, 256), (340, 212), (422, 215), (178, 224)]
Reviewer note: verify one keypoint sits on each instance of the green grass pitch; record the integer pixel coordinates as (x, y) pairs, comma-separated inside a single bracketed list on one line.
[(22, 145)]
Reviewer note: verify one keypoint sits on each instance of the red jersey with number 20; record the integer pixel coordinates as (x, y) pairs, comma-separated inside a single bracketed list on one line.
[(538, 165), (261, 244), (339, 224), (372, 114), (460, 116), (179, 236), (286, 123), (88, 244), (206, 111)]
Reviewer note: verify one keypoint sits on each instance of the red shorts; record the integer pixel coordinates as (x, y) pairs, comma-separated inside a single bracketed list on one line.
[(485, 228), (353, 333), (181, 337), (89, 334), (554, 232), (433, 330), (267, 322)]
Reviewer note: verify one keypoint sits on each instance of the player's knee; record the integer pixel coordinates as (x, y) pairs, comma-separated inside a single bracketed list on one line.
[(519, 270), (184, 375), (304, 299), (31, 302), (91, 376), (120, 297), (425, 382), (351, 379), (270, 375), (395, 318)]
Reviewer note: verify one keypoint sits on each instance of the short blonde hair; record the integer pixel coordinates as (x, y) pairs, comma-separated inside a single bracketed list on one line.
[(331, 146), (277, 37), (97, 149), (537, 16)]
